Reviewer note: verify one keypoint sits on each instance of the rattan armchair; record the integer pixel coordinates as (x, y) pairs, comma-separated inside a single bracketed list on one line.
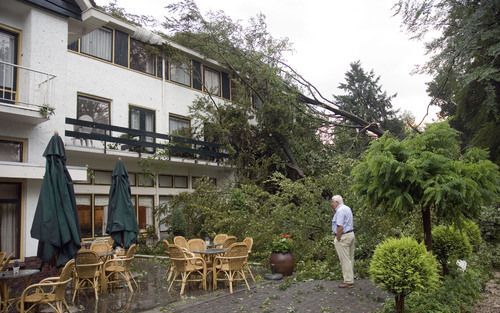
[(50, 291), (219, 239), (102, 249), (186, 267), (4, 260), (231, 265), (229, 241), (170, 271), (87, 272), (118, 269), (181, 242), (249, 242), (196, 244)]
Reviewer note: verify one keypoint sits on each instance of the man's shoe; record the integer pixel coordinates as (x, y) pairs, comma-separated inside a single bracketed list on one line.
[(344, 285)]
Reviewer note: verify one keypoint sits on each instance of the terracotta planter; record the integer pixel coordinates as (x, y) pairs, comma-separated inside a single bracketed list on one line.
[(283, 263)]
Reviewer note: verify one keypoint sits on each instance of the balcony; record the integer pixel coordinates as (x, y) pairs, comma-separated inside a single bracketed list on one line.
[(25, 94), (126, 142)]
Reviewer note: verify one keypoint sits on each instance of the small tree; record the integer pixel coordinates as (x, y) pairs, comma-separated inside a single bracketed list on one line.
[(402, 266), (450, 245), (178, 222)]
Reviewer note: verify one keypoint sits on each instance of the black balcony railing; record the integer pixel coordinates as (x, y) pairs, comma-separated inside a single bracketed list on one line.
[(144, 141)]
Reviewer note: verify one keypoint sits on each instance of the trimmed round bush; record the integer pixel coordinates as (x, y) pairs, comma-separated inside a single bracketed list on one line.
[(402, 266), (473, 233), (449, 245)]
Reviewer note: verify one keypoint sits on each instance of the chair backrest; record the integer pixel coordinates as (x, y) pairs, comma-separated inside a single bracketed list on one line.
[(100, 246), (178, 258), (249, 242), (219, 239), (166, 244), (228, 242), (4, 260), (181, 242), (87, 264), (196, 244), (65, 276), (236, 255)]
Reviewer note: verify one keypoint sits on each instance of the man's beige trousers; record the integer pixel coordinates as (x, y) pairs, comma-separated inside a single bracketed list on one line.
[(345, 251)]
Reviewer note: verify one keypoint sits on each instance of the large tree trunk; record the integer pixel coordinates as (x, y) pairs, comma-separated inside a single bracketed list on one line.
[(426, 219), (400, 303)]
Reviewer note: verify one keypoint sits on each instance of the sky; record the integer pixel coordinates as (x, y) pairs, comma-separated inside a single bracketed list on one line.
[(328, 35)]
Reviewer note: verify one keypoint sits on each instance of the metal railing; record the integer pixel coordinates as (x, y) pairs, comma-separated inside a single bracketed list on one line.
[(23, 85), (141, 141)]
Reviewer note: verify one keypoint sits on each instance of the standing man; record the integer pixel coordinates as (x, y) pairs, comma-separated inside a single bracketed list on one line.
[(343, 230)]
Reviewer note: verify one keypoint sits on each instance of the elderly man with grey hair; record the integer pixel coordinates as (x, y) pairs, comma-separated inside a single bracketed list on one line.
[(343, 230)]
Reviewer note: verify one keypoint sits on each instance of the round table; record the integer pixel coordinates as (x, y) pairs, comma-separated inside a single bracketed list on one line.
[(7, 276)]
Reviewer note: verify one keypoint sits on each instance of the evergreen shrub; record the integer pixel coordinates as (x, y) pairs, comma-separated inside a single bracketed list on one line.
[(473, 233), (178, 222), (402, 266), (449, 245)]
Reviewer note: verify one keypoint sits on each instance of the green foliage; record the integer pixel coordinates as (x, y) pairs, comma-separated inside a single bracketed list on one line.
[(178, 222), (282, 244), (318, 270), (402, 266), (449, 245), (472, 232), (425, 171), (464, 63)]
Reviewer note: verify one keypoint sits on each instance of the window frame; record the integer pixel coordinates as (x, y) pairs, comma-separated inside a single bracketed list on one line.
[(142, 125), (143, 47), (12, 91), (213, 71), (18, 215), (96, 99), (188, 71), (22, 149), (111, 44), (178, 118)]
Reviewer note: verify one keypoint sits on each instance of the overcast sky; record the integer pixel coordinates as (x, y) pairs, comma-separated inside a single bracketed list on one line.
[(327, 35)]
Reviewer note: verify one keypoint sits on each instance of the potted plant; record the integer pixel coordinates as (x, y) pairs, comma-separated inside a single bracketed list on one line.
[(281, 259)]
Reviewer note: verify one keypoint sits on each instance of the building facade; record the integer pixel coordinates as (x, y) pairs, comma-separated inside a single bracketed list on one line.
[(106, 88)]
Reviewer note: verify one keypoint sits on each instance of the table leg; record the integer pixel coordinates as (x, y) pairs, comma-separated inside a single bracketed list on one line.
[(103, 281), (4, 292)]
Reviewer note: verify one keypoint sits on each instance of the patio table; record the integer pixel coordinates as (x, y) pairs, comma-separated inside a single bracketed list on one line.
[(7, 276)]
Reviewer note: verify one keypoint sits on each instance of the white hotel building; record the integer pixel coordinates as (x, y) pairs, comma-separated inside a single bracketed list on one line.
[(111, 97)]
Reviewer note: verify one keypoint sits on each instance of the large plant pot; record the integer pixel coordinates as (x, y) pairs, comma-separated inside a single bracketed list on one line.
[(283, 263)]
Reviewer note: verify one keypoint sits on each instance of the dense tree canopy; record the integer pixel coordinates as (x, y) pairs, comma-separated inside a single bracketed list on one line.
[(465, 63)]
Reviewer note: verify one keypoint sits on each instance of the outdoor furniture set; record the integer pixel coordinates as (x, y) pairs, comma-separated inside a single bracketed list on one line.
[(194, 261)]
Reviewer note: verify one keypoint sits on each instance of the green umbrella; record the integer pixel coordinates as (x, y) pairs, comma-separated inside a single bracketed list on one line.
[(55, 224), (122, 222)]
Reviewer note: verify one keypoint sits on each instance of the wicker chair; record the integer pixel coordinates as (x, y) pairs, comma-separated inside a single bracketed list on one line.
[(120, 268), (196, 244), (50, 291), (231, 264), (170, 271), (229, 241), (4, 260), (181, 242), (87, 272), (186, 267), (101, 248), (249, 242), (219, 239)]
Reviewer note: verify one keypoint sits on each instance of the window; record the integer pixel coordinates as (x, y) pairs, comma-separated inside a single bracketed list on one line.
[(100, 215), (165, 212), (197, 80), (145, 180), (98, 43), (180, 181), (177, 124), (226, 86), (131, 179), (73, 46), (84, 209), (102, 177), (11, 151), (142, 119), (195, 180), (8, 73), (141, 59), (121, 48), (10, 218), (181, 73), (165, 181), (212, 81), (93, 110), (145, 211)]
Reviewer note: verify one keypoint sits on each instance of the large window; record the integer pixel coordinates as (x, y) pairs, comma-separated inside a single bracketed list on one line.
[(92, 218), (178, 125), (98, 43), (100, 215), (93, 110), (11, 151), (8, 73), (181, 73), (142, 119), (121, 48), (141, 59), (84, 208), (10, 218), (212, 81), (144, 210)]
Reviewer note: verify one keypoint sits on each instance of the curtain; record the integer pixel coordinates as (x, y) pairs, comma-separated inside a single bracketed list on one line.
[(98, 43), (100, 214), (180, 73), (135, 119), (212, 82), (7, 54), (9, 240)]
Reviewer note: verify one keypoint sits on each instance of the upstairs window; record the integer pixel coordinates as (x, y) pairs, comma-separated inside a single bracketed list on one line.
[(181, 73), (178, 125), (98, 43), (141, 59), (93, 110), (8, 73), (11, 151), (212, 81), (121, 48)]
